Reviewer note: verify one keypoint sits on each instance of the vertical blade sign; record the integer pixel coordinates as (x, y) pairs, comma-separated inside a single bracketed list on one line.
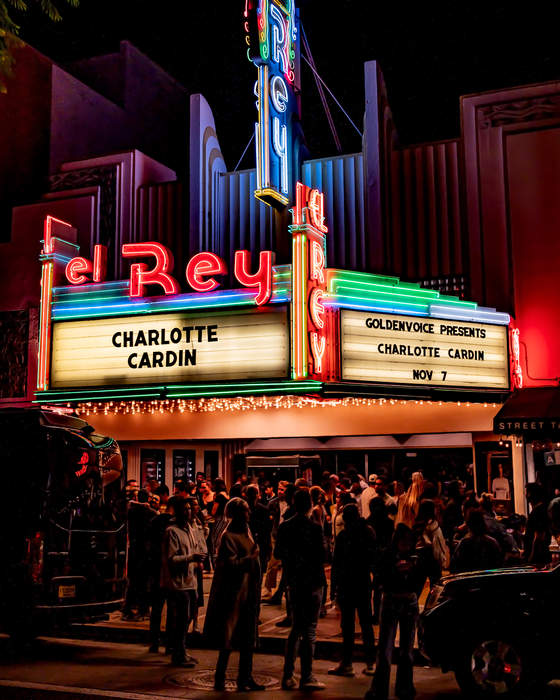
[(272, 35)]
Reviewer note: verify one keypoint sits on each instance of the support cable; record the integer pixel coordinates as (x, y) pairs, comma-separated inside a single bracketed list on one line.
[(318, 77), (244, 152), (321, 91)]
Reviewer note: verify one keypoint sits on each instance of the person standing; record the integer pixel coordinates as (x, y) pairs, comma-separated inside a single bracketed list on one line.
[(383, 526), (355, 553), (536, 548), (199, 531), (299, 546), (409, 502), (178, 558), (380, 486), (234, 602), (367, 494), (218, 518), (139, 516), (477, 550), (156, 531), (276, 508), (401, 572), (259, 524)]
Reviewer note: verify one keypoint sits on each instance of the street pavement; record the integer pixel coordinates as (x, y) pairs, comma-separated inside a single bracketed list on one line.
[(272, 638), (64, 669)]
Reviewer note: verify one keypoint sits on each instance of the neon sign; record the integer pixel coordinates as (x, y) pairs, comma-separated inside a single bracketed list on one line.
[(272, 35), (200, 271), (55, 253), (517, 371), (83, 464), (309, 315)]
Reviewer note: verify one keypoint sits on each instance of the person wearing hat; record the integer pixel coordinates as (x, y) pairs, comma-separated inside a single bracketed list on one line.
[(367, 494)]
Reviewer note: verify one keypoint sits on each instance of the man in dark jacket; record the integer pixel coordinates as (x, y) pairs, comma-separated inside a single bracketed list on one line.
[(354, 558), (139, 516), (299, 545), (536, 548), (402, 572), (260, 524), (156, 531)]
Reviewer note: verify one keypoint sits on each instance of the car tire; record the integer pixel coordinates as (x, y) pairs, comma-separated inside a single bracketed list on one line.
[(492, 667)]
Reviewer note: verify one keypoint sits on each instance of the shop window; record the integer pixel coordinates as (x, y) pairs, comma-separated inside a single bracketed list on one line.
[(184, 465), (211, 464), (494, 473), (152, 466)]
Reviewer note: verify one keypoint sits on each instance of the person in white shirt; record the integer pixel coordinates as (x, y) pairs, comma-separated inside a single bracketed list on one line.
[(500, 486), (367, 494)]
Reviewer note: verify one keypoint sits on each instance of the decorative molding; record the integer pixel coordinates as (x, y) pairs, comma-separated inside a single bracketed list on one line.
[(14, 338), (519, 111), (104, 177)]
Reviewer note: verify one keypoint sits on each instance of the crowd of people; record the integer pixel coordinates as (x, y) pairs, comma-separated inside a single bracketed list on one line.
[(381, 542)]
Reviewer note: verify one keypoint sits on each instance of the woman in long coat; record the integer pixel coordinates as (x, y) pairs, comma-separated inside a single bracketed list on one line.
[(234, 603)]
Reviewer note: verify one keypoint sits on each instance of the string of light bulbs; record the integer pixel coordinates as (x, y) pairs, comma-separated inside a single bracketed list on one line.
[(246, 403)]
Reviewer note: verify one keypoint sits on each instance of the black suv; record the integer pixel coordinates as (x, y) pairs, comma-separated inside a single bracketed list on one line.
[(497, 630)]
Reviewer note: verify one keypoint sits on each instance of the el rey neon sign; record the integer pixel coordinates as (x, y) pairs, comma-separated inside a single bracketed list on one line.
[(271, 28), (310, 328), (201, 271)]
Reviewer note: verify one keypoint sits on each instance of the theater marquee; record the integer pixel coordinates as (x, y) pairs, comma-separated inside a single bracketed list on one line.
[(396, 349), (170, 348)]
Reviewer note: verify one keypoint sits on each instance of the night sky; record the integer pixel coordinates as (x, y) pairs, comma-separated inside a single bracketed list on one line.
[(430, 54)]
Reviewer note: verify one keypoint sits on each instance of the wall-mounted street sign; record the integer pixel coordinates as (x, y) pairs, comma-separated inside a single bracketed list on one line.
[(170, 348), (396, 349)]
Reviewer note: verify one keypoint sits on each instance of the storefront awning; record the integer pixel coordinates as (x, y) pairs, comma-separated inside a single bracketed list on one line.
[(532, 412)]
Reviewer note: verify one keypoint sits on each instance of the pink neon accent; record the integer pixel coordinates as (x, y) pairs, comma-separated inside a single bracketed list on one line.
[(75, 267), (262, 278), (317, 262), (140, 275), (316, 204), (316, 308), (47, 232), (201, 265), (99, 263), (297, 212), (318, 346)]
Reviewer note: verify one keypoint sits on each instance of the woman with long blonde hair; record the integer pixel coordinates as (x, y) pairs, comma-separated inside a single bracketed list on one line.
[(409, 502)]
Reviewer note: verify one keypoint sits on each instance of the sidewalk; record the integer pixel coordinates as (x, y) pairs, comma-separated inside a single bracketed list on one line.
[(271, 638)]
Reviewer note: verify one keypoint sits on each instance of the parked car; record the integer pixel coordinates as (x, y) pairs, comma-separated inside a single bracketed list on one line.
[(497, 630)]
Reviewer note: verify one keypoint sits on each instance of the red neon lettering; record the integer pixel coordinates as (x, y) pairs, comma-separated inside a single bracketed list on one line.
[(202, 265), (317, 262), (262, 277), (316, 204), (318, 346), (99, 263), (298, 210), (74, 269), (140, 275), (316, 308)]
